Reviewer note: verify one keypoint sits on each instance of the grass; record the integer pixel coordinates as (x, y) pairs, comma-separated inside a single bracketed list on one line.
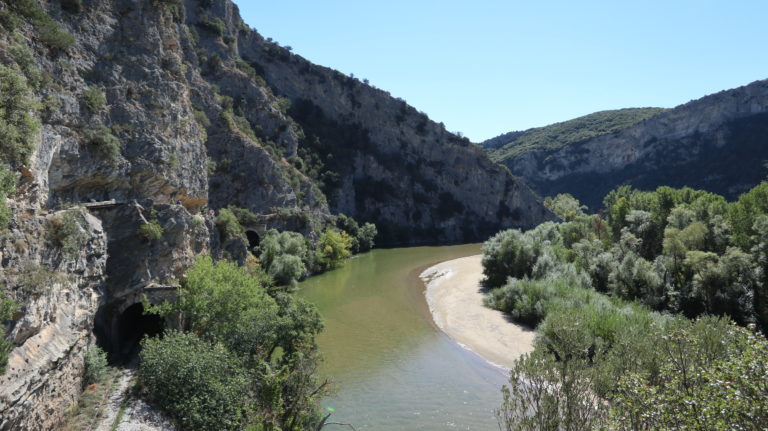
[(559, 135), (89, 409)]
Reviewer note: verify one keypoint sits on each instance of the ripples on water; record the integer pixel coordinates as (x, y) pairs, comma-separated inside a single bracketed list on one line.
[(394, 369)]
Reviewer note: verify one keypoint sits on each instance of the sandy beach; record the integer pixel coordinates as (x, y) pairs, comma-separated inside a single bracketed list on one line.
[(454, 298)]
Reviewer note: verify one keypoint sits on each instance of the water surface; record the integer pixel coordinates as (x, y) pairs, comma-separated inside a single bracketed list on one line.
[(395, 370)]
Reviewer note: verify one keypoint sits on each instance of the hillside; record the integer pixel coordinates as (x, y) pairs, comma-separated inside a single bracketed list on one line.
[(716, 143), (559, 135), (127, 127)]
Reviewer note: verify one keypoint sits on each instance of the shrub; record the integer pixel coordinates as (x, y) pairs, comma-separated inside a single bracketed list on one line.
[(151, 231), (7, 308), (24, 57), (213, 24), (228, 225), (18, 127), (333, 248), (104, 143), (7, 185), (46, 28), (201, 385), (94, 99), (96, 368), (65, 230), (284, 256)]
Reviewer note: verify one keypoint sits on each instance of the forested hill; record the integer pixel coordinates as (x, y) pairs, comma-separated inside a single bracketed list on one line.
[(559, 135), (716, 143)]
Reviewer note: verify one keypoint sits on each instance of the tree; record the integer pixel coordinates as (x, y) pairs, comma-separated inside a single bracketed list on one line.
[(332, 248)]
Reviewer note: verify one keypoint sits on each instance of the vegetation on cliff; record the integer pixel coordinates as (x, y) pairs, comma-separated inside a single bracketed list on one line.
[(246, 356), (559, 135), (612, 294)]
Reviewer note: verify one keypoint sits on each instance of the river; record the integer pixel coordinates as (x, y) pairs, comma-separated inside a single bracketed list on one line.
[(393, 368)]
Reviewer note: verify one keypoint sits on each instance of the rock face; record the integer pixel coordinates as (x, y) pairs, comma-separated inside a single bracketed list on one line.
[(716, 143), (158, 114)]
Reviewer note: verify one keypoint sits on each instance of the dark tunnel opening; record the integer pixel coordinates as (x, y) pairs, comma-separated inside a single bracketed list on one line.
[(253, 239), (128, 329)]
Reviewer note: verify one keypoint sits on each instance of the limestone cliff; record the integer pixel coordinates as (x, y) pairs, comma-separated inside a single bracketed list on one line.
[(716, 143), (154, 113)]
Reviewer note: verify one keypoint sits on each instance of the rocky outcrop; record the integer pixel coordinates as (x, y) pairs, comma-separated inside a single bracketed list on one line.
[(716, 143), (157, 115), (59, 287)]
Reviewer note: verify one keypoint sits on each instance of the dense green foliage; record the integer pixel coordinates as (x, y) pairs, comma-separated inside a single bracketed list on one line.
[(7, 308), (94, 99), (103, 143), (246, 357), (228, 225), (285, 256), (18, 127), (361, 237), (559, 135), (600, 290), (7, 186), (151, 231), (333, 248), (96, 368)]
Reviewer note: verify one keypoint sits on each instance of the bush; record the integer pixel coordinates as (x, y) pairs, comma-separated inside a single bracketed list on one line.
[(151, 231), (104, 143), (66, 231), (200, 385), (213, 24), (18, 127), (333, 248), (7, 308), (228, 225), (96, 368), (94, 99), (284, 256), (7, 186)]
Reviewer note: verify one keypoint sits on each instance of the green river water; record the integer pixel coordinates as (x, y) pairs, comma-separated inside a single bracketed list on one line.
[(393, 367)]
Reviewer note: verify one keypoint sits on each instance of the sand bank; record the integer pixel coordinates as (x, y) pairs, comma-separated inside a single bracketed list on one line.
[(456, 302)]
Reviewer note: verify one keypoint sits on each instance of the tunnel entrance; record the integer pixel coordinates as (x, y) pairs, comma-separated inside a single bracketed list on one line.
[(253, 239), (129, 329)]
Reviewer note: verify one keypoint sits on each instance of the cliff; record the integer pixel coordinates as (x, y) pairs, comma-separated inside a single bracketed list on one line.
[(151, 113), (716, 143)]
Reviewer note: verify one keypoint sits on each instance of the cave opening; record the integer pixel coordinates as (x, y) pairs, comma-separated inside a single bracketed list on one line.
[(253, 239), (130, 327)]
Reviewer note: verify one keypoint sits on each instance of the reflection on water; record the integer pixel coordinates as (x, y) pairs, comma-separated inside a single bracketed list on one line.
[(394, 369)]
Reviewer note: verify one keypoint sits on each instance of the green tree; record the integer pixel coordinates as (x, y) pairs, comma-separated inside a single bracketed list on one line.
[(18, 125), (333, 248)]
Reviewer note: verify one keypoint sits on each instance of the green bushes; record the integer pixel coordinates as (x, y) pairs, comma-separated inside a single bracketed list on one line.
[(94, 99), (228, 225), (284, 255), (104, 143), (18, 126), (333, 248), (213, 24), (201, 385), (7, 186), (47, 30), (251, 361), (7, 308), (96, 368), (361, 237), (151, 231), (66, 232)]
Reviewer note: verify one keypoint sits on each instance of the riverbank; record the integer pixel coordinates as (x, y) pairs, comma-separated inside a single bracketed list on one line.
[(456, 303)]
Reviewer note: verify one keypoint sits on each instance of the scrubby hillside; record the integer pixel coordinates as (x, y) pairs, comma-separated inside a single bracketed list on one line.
[(716, 143)]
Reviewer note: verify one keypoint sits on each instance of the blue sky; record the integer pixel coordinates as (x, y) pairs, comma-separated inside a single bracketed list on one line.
[(488, 67)]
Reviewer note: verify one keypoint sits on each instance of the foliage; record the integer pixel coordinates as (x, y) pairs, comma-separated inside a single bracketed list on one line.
[(67, 233), (284, 255), (361, 237), (18, 125), (24, 57), (213, 24), (104, 143), (559, 135), (7, 186), (151, 231), (46, 29), (94, 99), (201, 385), (596, 288), (565, 206), (7, 308), (268, 338), (228, 225), (333, 248), (96, 368)]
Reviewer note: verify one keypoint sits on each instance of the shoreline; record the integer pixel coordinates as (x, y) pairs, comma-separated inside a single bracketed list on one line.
[(456, 304)]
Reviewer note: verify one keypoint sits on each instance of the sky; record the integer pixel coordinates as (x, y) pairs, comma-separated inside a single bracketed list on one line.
[(489, 67)]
